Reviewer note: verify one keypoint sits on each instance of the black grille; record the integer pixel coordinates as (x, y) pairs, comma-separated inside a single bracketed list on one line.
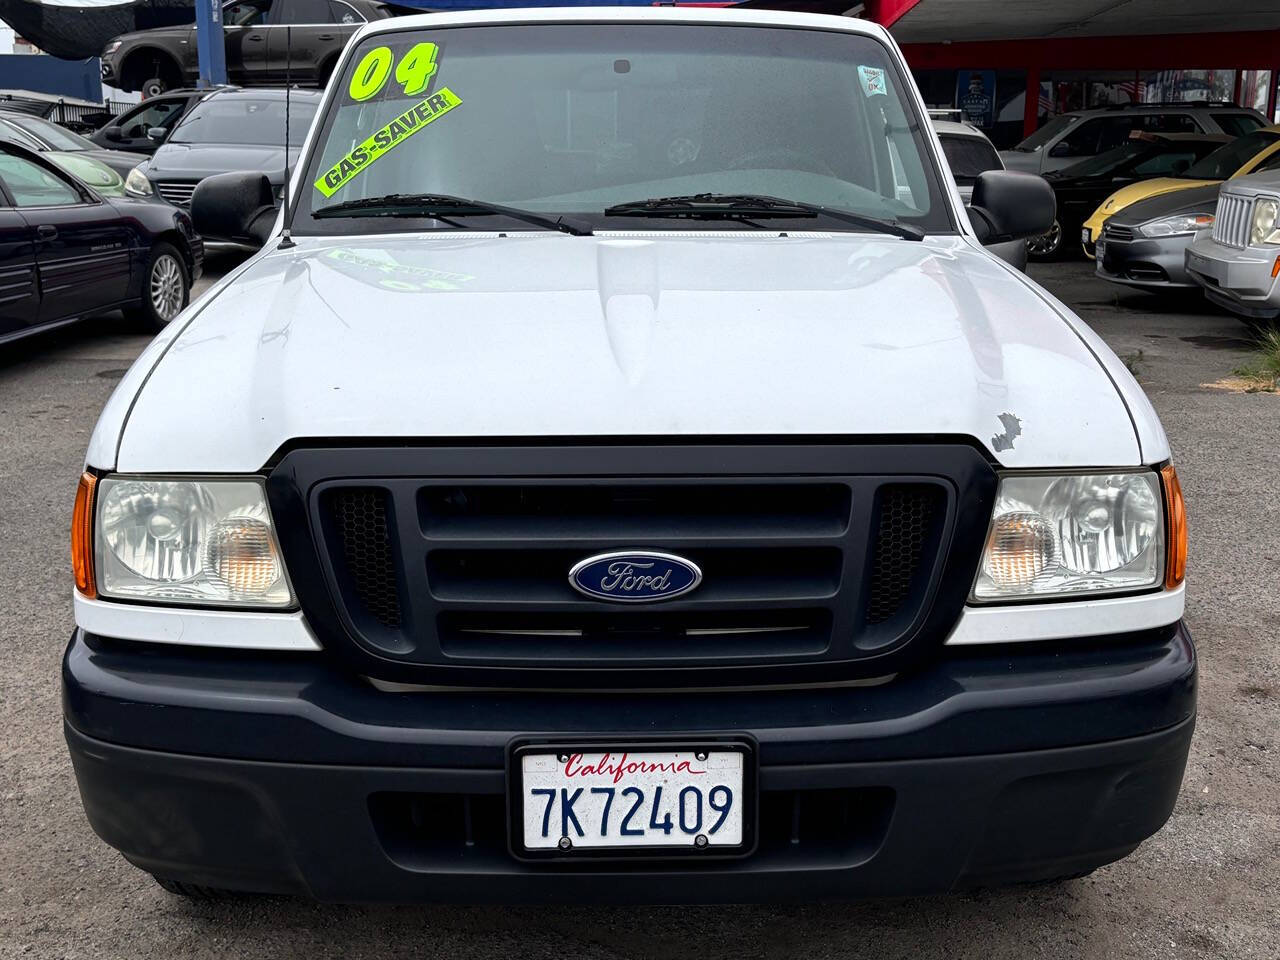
[(453, 562), (1114, 232), (359, 516), (906, 520)]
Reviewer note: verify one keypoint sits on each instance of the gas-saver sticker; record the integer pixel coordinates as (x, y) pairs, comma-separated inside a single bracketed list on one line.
[(392, 135)]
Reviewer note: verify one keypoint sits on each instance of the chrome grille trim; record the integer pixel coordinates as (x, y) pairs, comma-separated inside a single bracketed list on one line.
[(177, 192), (1232, 221)]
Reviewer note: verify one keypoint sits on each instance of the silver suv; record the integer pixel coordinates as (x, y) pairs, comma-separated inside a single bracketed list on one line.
[(1071, 137), (1237, 262)]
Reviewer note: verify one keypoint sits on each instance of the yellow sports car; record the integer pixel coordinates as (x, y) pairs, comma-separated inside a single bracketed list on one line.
[(1252, 153)]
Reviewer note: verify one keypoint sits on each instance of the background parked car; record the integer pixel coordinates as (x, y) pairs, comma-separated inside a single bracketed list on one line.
[(94, 173), (1252, 153), (154, 61), (66, 252), (44, 136), (229, 129), (1238, 261), (1082, 187), (1145, 244), (1071, 137), (970, 153), (133, 129)]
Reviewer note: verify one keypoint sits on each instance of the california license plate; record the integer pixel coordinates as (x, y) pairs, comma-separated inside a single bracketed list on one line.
[(645, 800), (1101, 250), (1084, 235)]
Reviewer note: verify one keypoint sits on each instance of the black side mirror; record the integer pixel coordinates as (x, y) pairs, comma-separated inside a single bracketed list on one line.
[(234, 207), (1061, 149), (156, 133), (114, 134), (1011, 206)]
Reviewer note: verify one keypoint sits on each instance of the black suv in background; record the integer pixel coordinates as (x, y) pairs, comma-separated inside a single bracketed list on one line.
[(154, 61), (228, 129), (142, 128)]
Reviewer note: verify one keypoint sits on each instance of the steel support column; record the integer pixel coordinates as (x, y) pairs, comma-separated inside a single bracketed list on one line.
[(209, 43)]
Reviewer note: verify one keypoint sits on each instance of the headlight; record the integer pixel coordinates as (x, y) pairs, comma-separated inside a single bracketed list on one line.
[(1176, 226), (1098, 533), (1265, 213), (188, 541), (111, 48), (137, 183)]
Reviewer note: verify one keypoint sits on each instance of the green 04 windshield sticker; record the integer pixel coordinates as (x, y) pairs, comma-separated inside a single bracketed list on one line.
[(392, 135)]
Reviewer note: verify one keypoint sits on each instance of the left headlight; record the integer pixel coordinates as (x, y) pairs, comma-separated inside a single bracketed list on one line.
[(199, 542), (1265, 213), (1054, 535), (136, 183), (1174, 226)]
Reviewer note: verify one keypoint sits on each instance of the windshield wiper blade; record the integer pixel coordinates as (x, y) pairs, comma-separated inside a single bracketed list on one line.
[(737, 206), (444, 207)]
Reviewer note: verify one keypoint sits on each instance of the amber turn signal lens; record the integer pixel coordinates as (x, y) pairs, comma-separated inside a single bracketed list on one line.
[(1176, 517), (82, 536)]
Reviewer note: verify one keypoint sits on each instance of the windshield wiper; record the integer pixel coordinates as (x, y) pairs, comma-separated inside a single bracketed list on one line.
[(742, 206), (442, 207)]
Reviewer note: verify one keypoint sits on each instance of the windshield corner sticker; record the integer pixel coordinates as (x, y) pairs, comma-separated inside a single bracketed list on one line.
[(393, 134), (873, 81)]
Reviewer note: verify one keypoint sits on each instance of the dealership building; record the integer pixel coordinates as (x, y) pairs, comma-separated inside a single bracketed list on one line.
[(1012, 64)]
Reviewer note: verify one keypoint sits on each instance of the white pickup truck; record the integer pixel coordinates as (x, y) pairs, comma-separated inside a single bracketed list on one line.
[(608, 483)]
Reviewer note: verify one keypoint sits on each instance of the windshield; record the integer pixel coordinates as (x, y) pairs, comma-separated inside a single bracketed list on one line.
[(571, 119), (246, 121), (969, 156), (1109, 160), (58, 138), (1230, 157), (1046, 133)]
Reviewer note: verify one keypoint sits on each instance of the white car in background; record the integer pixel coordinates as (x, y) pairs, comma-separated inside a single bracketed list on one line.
[(969, 153)]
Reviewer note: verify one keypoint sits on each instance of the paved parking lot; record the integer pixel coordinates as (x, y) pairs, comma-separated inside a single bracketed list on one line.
[(1207, 886)]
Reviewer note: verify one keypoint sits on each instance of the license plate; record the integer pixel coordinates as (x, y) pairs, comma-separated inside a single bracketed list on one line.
[(649, 799), (1084, 235), (1100, 249)]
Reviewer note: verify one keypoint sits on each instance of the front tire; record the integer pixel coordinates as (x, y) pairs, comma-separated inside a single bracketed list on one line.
[(154, 87), (166, 288), (1048, 246)]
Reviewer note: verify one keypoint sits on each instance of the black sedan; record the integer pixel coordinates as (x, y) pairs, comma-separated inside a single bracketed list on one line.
[(1082, 187), (1145, 244), (37, 133), (67, 253)]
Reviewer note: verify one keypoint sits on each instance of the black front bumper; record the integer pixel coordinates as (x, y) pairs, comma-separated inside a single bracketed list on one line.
[(288, 775)]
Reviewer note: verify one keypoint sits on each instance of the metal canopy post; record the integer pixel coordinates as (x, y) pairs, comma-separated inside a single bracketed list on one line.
[(209, 43)]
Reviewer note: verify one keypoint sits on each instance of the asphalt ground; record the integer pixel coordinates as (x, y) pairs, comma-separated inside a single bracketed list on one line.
[(1208, 885)]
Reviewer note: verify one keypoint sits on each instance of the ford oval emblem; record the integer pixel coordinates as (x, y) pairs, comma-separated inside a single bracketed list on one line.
[(634, 576)]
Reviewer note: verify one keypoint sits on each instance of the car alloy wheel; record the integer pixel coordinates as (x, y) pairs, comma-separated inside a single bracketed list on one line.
[(1047, 244), (166, 287)]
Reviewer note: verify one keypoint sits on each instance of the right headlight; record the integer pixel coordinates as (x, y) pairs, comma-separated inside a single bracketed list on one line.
[(1265, 213), (1088, 533), (1187, 223), (193, 542), (137, 184)]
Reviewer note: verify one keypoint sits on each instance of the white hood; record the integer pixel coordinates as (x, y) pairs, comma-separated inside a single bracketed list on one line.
[(480, 335)]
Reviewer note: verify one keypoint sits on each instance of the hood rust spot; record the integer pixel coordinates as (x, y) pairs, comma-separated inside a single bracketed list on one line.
[(1012, 429)]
